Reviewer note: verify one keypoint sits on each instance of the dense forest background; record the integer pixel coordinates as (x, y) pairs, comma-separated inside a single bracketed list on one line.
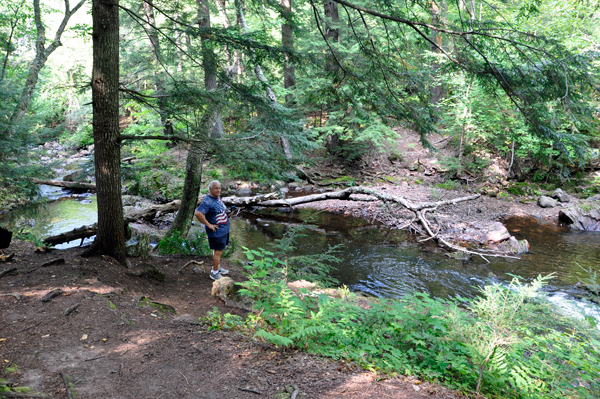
[(258, 86)]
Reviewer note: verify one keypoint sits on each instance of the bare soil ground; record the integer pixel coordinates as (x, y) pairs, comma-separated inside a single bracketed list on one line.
[(112, 346)]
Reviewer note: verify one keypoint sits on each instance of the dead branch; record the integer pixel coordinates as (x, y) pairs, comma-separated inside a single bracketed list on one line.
[(10, 362), (150, 213), (52, 294), (6, 271), (65, 184), (29, 328), (250, 390), (71, 309), (94, 358), (192, 262), (75, 234), (52, 262), (295, 393)]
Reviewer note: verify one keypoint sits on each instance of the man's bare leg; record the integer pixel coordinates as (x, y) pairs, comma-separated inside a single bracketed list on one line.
[(216, 259)]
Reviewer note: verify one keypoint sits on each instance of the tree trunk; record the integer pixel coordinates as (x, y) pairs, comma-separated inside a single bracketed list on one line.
[(105, 101), (332, 33), (41, 55), (155, 47), (209, 63), (191, 188), (287, 42)]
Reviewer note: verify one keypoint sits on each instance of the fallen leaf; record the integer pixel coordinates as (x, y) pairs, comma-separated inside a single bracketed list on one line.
[(153, 315), (45, 336), (85, 346), (272, 371), (3, 339), (104, 339), (83, 337), (6, 361)]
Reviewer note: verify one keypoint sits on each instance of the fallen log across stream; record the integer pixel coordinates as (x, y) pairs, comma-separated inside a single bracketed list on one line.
[(66, 184)]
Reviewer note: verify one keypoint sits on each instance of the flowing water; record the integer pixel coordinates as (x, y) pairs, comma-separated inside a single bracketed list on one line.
[(376, 260)]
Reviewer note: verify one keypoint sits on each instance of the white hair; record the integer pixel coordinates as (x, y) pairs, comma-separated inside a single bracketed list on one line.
[(212, 183)]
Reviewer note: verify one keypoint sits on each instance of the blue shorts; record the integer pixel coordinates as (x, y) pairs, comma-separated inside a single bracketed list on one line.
[(218, 243)]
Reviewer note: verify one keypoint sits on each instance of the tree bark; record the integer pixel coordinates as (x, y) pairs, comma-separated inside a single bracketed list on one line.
[(107, 158), (287, 42), (332, 33), (191, 188), (41, 56)]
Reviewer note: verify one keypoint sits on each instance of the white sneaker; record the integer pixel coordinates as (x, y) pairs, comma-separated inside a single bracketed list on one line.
[(215, 276), (223, 271)]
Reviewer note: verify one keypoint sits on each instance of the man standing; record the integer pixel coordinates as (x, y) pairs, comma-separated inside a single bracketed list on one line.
[(212, 213)]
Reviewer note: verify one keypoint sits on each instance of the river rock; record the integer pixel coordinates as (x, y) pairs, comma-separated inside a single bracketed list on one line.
[(243, 192), (497, 233), (560, 195), (583, 216), (138, 245), (293, 185), (547, 202), (514, 246)]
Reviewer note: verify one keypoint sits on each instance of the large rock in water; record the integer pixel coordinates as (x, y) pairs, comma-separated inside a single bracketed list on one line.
[(497, 233), (583, 216)]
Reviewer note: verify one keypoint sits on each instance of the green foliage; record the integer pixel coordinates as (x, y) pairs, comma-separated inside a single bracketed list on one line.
[(176, 244), (196, 246), (449, 185), (313, 267), (25, 236)]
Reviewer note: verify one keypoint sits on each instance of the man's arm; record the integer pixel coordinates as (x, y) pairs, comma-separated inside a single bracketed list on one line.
[(200, 216)]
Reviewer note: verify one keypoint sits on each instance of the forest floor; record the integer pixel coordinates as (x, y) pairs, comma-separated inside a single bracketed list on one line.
[(116, 345)]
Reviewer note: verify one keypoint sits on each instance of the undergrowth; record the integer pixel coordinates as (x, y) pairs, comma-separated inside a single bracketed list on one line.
[(197, 245), (506, 342)]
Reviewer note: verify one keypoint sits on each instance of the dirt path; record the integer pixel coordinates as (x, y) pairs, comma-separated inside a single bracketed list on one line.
[(113, 347)]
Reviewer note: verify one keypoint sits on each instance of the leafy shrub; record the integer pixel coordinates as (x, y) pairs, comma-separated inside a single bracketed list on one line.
[(197, 246)]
